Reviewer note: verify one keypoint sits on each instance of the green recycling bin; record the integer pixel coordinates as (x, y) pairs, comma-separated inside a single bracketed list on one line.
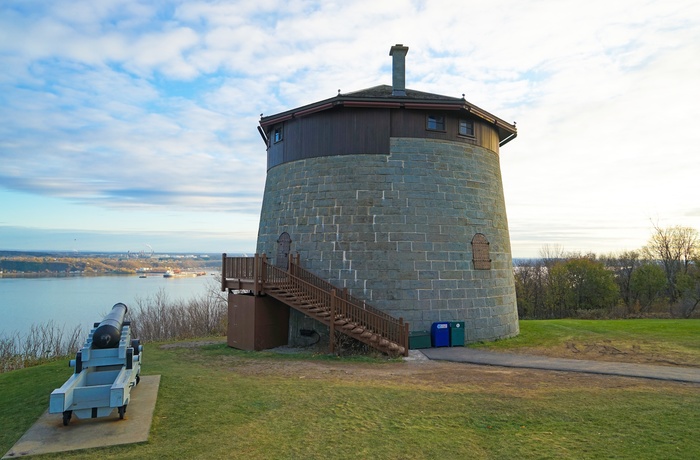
[(457, 333), (418, 339)]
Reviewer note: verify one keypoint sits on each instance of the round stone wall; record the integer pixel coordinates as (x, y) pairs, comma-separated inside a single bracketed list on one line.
[(397, 231)]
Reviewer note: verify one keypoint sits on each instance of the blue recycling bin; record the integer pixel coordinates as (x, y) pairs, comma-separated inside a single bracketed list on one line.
[(440, 334)]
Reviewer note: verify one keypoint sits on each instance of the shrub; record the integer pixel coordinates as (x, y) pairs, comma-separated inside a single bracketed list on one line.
[(151, 319), (158, 318), (43, 342)]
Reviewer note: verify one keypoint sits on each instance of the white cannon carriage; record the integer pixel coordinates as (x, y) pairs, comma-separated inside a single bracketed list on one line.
[(107, 367)]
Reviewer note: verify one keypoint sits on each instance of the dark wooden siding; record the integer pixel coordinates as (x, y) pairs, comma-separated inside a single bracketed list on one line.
[(486, 135), (345, 132), (412, 123), (349, 131)]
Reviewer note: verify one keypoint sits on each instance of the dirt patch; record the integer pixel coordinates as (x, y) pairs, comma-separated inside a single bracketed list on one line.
[(609, 351), (434, 375), (192, 344), (603, 350), (418, 370)]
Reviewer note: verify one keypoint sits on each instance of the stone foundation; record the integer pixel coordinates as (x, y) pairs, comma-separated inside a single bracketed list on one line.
[(396, 230)]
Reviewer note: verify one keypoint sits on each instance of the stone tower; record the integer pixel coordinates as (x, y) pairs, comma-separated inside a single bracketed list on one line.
[(395, 194)]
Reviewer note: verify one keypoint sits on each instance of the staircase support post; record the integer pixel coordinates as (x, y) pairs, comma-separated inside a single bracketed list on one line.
[(256, 273), (263, 272), (405, 337), (331, 339), (223, 272)]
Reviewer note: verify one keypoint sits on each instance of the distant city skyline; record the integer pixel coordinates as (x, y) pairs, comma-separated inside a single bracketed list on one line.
[(125, 123)]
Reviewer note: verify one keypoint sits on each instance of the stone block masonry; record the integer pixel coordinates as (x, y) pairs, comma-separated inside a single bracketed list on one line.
[(396, 230)]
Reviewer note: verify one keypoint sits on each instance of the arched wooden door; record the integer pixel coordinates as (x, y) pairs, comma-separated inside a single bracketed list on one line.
[(284, 244)]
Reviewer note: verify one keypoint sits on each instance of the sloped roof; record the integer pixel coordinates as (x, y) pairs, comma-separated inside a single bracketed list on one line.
[(385, 91), (381, 97)]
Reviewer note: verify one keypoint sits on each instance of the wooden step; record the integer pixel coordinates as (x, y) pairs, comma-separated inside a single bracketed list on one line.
[(307, 299), (307, 305), (298, 295), (303, 296), (279, 288)]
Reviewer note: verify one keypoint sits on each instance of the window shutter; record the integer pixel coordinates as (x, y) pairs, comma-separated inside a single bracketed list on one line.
[(480, 252)]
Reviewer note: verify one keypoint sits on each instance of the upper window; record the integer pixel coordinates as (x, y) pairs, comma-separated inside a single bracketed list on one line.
[(435, 123), (277, 134), (466, 128)]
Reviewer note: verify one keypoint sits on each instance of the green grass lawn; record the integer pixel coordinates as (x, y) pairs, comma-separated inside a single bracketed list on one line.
[(216, 402), (629, 340)]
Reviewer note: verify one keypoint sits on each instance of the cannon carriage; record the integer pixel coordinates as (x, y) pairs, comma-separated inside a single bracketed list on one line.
[(107, 368)]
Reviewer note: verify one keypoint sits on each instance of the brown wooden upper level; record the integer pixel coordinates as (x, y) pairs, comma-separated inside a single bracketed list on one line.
[(363, 122)]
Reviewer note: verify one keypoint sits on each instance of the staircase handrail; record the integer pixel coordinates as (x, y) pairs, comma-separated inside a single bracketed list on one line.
[(343, 294), (262, 273), (237, 267), (361, 314)]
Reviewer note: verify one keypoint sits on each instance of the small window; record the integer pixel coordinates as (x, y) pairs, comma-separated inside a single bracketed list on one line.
[(277, 135), (435, 123), (466, 128), (480, 252)]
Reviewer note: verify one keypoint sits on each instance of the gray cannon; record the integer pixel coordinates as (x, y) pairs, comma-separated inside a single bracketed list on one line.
[(109, 330), (107, 367)]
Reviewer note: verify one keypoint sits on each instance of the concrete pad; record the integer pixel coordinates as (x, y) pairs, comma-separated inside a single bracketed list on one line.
[(49, 435)]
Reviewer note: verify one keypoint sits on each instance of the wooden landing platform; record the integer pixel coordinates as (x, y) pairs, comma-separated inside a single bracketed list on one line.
[(238, 284)]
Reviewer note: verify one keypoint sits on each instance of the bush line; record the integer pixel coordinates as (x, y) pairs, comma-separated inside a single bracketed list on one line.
[(155, 318)]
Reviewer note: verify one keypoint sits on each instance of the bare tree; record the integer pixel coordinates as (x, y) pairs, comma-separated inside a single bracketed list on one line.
[(690, 287), (647, 285), (530, 287), (675, 247), (623, 266), (551, 254)]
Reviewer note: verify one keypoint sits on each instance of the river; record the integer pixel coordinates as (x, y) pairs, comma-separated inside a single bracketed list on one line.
[(84, 300)]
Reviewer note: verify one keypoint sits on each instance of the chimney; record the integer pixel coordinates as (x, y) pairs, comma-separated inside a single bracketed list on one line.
[(398, 69)]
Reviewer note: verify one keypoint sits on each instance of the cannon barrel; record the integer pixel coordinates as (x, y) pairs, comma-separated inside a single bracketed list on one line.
[(109, 331)]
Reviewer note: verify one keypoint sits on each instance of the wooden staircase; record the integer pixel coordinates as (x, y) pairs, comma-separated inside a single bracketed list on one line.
[(320, 300)]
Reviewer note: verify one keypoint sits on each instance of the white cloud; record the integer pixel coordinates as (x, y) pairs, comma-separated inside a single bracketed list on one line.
[(131, 104)]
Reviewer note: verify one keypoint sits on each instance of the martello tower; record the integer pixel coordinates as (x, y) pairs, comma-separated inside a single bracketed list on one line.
[(396, 195)]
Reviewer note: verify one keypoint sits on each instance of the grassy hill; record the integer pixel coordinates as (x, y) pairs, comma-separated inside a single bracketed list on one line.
[(217, 402)]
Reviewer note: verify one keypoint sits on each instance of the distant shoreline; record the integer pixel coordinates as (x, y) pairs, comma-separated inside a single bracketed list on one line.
[(95, 275), (41, 265)]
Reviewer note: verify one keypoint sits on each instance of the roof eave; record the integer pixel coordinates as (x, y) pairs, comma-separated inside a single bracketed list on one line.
[(506, 131)]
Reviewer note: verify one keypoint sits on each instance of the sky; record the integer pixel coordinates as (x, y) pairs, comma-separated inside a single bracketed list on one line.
[(127, 125)]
